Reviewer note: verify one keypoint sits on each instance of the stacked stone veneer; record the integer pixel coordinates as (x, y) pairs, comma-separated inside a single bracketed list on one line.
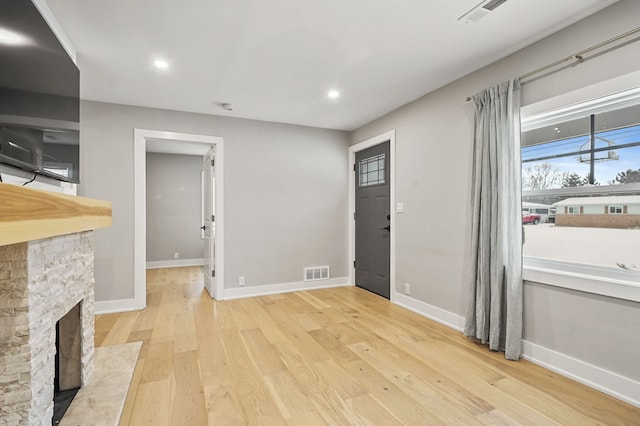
[(40, 281)]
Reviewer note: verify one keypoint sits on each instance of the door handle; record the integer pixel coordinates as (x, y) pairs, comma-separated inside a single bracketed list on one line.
[(203, 227), (388, 228)]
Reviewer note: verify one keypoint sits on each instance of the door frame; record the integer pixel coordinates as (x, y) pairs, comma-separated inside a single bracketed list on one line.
[(140, 138), (390, 137)]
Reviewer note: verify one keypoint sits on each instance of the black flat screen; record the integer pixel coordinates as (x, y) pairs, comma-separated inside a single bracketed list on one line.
[(39, 95)]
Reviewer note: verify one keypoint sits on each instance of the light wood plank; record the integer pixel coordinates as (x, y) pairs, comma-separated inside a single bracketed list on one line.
[(159, 362), (339, 379), (264, 356), (422, 392), (222, 405), (257, 405), (121, 329), (164, 329), (188, 401), (395, 400), (102, 326), (287, 395), (269, 328), (335, 356), (134, 387), (327, 402), (152, 404), (311, 418), (371, 411), (214, 367), (186, 338)]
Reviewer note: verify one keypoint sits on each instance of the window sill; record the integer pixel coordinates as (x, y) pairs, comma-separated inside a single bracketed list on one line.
[(611, 282)]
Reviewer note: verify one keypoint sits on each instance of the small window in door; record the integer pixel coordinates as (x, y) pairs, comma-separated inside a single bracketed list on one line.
[(372, 170)]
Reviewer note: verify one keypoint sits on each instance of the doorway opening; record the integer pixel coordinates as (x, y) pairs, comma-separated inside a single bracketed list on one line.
[(355, 173), (180, 143)]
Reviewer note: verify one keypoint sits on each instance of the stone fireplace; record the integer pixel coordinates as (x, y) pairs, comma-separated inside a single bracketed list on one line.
[(41, 281)]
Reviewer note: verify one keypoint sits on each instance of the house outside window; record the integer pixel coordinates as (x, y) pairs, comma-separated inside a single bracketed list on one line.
[(573, 210)]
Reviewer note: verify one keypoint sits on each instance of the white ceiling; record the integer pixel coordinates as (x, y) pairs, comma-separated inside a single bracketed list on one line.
[(276, 60)]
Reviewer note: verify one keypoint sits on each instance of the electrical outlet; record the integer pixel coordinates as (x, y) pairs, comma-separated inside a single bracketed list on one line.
[(240, 280), (176, 255), (407, 288)]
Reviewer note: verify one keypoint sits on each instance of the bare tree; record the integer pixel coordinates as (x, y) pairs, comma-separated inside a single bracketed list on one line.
[(541, 176)]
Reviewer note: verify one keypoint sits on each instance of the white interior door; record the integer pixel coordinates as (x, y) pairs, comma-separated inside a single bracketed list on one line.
[(209, 221)]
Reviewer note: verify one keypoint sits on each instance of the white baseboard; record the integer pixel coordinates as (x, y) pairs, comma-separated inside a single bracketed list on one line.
[(596, 377), (264, 290), (174, 263), (432, 312), (593, 376), (115, 306)]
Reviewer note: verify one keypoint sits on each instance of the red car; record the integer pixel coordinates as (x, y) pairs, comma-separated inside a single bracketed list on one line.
[(530, 218)]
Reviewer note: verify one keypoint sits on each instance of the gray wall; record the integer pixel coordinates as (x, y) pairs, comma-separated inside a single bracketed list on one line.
[(433, 155), (285, 193), (596, 329), (174, 206)]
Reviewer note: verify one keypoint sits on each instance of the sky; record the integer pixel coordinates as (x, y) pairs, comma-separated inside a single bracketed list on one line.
[(605, 170)]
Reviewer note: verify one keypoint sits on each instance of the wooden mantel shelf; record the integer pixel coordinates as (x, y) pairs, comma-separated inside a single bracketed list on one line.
[(30, 214)]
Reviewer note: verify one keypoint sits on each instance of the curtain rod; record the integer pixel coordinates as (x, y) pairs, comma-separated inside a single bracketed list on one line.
[(578, 56)]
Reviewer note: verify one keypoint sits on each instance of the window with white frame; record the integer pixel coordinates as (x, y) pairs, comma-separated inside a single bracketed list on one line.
[(582, 161), (616, 209)]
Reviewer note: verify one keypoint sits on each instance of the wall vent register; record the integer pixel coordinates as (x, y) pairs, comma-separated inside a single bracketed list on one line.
[(314, 273)]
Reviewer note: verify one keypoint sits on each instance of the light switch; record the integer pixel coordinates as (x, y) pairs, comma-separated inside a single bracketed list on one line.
[(400, 208)]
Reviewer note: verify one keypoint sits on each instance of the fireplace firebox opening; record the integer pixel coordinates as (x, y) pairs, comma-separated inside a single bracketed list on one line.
[(68, 367)]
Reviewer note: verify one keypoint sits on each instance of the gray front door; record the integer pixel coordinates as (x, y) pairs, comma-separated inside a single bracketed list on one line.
[(373, 223)]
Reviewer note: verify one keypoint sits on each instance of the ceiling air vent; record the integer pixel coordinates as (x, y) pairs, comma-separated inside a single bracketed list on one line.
[(480, 10), (491, 5)]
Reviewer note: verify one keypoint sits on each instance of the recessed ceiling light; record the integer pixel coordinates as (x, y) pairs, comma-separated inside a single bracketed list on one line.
[(333, 94), (161, 64), (12, 38)]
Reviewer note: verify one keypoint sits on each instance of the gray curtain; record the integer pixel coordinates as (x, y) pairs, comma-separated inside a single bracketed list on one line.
[(494, 312)]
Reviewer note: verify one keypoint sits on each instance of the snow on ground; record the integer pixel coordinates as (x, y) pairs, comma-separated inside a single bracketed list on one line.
[(594, 246)]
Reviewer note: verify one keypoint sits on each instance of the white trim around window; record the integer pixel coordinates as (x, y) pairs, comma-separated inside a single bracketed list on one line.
[(621, 284), (608, 95), (617, 209)]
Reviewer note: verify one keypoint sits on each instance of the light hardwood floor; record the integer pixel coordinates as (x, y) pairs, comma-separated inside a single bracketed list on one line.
[(338, 356)]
